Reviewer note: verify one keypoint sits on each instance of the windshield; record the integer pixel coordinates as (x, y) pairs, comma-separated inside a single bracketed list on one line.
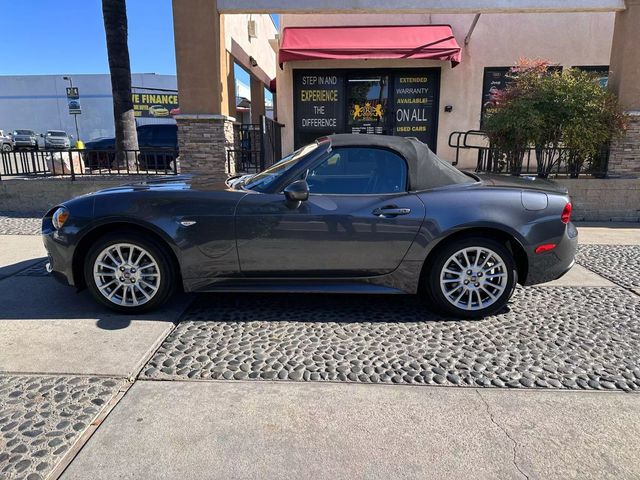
[(23, 132), (56, 134), (263, 179)]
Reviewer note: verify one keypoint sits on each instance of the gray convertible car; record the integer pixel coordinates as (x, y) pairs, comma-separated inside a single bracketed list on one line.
[(345, 214)]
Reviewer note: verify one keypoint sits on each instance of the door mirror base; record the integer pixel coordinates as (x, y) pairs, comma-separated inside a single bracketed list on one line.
[(296, 192)]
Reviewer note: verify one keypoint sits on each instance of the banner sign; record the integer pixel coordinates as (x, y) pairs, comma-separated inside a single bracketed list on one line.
[(154, 105), (73, 101), (73, 93), (319, 101), (495, 80), (414, 95)]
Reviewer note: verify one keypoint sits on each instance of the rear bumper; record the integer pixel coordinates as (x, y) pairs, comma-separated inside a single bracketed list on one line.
[(549, 266)]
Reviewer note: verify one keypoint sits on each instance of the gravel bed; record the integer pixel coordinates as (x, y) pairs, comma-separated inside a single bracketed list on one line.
[(20, 224), (42, 416), (618, 263), (573, 338)]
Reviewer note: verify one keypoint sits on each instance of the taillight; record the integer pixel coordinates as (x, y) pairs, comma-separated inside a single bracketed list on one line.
[(566, 213), (546, 247)]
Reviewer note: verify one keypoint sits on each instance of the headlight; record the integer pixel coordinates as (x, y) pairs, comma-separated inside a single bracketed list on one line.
[(60, 216)]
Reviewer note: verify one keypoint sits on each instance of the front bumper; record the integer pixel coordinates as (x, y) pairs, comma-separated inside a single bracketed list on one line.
[(60, 254), (24, 143), (549, 266)]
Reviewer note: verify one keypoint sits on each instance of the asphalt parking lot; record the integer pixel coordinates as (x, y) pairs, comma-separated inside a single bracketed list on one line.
[(282, 386)]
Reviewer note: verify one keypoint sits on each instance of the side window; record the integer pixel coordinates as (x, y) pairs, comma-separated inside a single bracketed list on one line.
[(359, 171)]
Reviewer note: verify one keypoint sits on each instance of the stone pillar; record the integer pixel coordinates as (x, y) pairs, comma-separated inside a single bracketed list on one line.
[(204, 141), (205, 129), (624, 81), (257, 99)]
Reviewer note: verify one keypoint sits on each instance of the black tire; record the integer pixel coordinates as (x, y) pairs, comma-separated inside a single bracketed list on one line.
[(6, 147), (167, 271), (434, 289)]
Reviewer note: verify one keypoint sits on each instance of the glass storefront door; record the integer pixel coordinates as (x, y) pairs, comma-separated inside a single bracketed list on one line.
[(368, 104)]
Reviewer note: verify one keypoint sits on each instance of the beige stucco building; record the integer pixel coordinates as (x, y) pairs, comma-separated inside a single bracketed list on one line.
[(496, 42), (211, 34)]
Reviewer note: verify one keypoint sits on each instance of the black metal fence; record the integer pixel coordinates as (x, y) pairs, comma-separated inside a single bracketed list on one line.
[(257, 146), (529, 161), (81, 163)]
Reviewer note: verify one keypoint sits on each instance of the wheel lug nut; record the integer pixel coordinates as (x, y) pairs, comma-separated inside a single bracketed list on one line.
[(469, 272), (122, 269), (466, 282), (133, 270), (122, 279), (477, 284), (133, 280), (479, 274)]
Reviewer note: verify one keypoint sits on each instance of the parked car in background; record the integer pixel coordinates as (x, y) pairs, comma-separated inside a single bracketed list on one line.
[(56, 140), (345, 214), (158, 144), (6, 142), (27, 139), (158, 111)]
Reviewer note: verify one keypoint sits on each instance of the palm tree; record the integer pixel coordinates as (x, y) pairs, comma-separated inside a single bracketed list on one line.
[(114, 13)]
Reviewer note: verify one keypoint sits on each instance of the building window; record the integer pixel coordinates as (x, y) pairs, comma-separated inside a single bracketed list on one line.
[(600, 72), (496, 79), (401, 102)]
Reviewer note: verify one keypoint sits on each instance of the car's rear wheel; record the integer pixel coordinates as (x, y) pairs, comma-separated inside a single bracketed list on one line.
[(6, 147), (472, 277), (129, 273)]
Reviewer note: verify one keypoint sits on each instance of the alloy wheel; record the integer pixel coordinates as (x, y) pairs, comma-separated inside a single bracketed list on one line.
[(126, 274), (473, 278)]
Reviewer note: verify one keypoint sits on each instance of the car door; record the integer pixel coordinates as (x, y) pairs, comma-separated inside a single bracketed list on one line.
[(359, 219)]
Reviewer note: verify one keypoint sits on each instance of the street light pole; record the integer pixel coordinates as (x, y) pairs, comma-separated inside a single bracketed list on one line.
[(75, 115)]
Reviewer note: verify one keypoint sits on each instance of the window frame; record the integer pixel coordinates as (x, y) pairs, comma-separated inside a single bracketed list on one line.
[(331, 151)]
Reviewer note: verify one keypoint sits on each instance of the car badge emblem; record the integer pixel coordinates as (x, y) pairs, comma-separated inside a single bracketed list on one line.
[(187, 223)]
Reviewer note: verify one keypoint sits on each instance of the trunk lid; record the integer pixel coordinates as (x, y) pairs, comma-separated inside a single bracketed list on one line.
[(523, 183)]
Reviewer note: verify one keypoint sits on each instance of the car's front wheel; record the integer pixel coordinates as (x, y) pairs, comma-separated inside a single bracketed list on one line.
[(129, 273), (472, 277)]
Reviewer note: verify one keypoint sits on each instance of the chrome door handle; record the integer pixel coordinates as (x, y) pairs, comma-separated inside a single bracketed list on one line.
[(391, 211)]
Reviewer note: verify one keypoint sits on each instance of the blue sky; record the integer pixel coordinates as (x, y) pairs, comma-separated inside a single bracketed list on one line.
[(67, 36)]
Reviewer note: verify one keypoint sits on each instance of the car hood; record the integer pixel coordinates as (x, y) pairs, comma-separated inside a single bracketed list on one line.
[(201, 183), (527, 183)]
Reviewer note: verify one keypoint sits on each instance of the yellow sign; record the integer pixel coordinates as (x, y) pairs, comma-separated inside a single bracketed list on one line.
[(154, 105)]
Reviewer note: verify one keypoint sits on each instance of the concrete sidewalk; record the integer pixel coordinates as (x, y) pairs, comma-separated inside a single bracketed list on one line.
[(262, 430), (50, 335)]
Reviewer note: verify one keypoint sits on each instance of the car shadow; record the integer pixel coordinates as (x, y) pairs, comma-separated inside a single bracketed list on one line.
[(29, 293), (19, 267), (307, 307)]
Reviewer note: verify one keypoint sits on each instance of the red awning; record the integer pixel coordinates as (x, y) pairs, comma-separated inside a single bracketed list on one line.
[(347, 43)]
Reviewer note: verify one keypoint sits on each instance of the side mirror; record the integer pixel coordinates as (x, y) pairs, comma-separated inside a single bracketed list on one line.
[(297, 191)]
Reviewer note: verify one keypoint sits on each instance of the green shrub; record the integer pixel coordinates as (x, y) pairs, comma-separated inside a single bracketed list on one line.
[(562, 115)]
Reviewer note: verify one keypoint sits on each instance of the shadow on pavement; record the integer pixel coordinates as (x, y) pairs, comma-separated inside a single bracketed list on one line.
[(8, 270), (26, 293)]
